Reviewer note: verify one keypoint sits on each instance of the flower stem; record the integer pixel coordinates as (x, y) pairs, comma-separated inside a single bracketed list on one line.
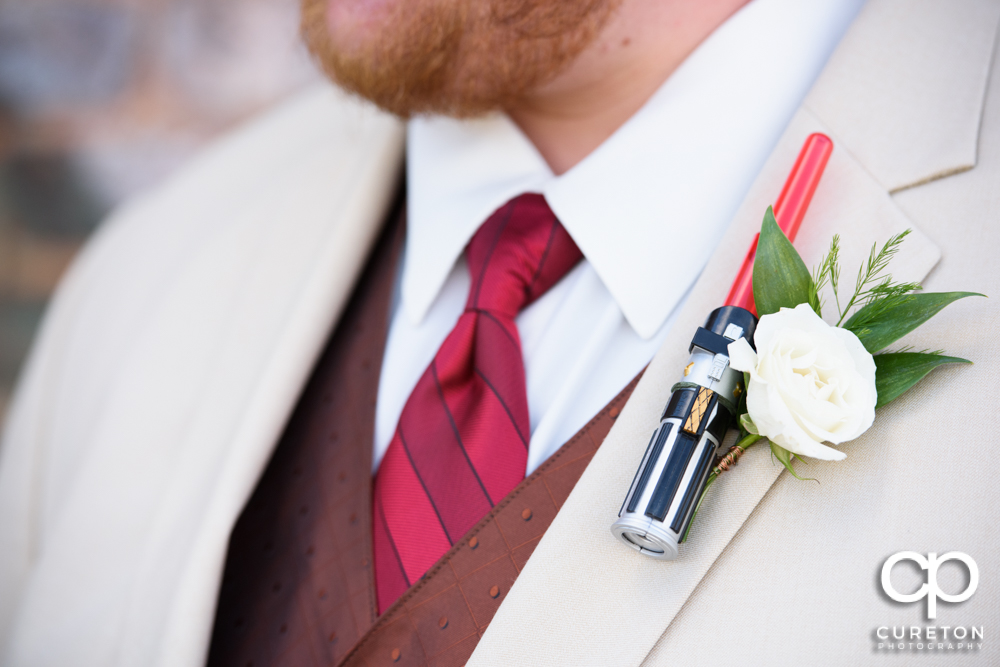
[(748, 440)]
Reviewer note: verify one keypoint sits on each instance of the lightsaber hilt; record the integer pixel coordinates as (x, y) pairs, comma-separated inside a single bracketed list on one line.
[(671, 478)]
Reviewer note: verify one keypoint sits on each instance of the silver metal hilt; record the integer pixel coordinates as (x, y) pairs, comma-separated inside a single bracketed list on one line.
[(661, 501)]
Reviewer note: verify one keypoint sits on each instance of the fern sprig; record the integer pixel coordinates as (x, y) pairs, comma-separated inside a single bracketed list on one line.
[(871, 272), (878, 301), (828, 271)]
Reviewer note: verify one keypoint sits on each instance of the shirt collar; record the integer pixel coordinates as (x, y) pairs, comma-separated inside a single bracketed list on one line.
[(649, 205)]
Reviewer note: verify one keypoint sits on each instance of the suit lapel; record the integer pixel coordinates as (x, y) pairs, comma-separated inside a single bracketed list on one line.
[(228, 339), (584, 598), (905, 89), (334, 231), (311, 509)]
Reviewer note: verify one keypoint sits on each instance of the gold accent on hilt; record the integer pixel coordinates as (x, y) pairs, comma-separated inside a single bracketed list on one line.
[(687, 369), (698, 410), (729, 460)]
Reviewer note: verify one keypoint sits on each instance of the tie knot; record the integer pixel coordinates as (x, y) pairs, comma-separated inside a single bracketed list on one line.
[(517, 255)]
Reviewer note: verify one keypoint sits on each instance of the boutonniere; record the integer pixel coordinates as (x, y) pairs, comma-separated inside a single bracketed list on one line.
[(811, 385), (781, 375)]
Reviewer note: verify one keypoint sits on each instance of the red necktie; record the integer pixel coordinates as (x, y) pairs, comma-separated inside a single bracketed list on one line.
[(461, 444)]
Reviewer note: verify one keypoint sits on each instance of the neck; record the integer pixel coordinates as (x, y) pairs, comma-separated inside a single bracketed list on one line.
[(642, 45)]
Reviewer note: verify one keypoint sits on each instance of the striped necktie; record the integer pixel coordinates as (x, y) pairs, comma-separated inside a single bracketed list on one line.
[(461, 444)]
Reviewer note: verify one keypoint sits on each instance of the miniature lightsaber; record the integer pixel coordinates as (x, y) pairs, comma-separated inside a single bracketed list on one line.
[(664, 493)]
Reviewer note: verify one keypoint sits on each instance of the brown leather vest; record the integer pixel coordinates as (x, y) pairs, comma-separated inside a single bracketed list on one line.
[(298, 587)]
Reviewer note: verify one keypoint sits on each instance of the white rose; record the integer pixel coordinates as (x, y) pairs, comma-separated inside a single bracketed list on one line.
[(809, 382)]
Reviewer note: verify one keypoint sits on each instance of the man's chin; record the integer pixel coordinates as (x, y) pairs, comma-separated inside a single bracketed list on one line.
[(453, 57), (353, 25)]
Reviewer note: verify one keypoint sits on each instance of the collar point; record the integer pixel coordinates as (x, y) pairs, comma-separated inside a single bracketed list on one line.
[(645, 324)]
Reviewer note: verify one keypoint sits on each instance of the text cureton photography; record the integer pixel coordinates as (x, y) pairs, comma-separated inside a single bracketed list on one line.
[(930, 638)]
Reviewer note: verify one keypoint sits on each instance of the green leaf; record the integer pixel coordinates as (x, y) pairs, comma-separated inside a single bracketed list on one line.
[(897, 372), (748, 424), (785, 457), (898, 317), (780, 278)]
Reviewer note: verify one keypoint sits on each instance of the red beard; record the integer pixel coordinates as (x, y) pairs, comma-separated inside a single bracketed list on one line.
[(455, 57)]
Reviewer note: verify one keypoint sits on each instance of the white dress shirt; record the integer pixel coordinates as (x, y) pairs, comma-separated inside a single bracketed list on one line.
[(646, 208)]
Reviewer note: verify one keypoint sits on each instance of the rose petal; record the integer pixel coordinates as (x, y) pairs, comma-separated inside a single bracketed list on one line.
[(803, 445), (810, 382), (741, 355)]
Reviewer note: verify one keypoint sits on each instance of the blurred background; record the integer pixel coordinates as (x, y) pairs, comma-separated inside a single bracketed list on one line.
[(100, 99)]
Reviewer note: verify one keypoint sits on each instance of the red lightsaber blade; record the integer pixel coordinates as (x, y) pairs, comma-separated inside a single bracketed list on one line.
[(788, 210)]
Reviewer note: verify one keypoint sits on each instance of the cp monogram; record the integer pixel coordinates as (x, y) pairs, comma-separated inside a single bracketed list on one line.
[(930, 589)]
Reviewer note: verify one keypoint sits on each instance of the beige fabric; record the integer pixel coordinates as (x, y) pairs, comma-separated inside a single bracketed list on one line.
[(799, 583), (905, 88), (163, 376), (800, 580)]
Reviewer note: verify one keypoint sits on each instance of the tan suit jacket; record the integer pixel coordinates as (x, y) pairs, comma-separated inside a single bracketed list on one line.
[(175, 348)]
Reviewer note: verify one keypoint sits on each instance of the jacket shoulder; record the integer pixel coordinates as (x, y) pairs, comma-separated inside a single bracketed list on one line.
[(234, 232), (247, 163), (207, 210)]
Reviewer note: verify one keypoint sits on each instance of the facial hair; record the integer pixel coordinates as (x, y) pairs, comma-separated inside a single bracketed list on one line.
[(456, 57)]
